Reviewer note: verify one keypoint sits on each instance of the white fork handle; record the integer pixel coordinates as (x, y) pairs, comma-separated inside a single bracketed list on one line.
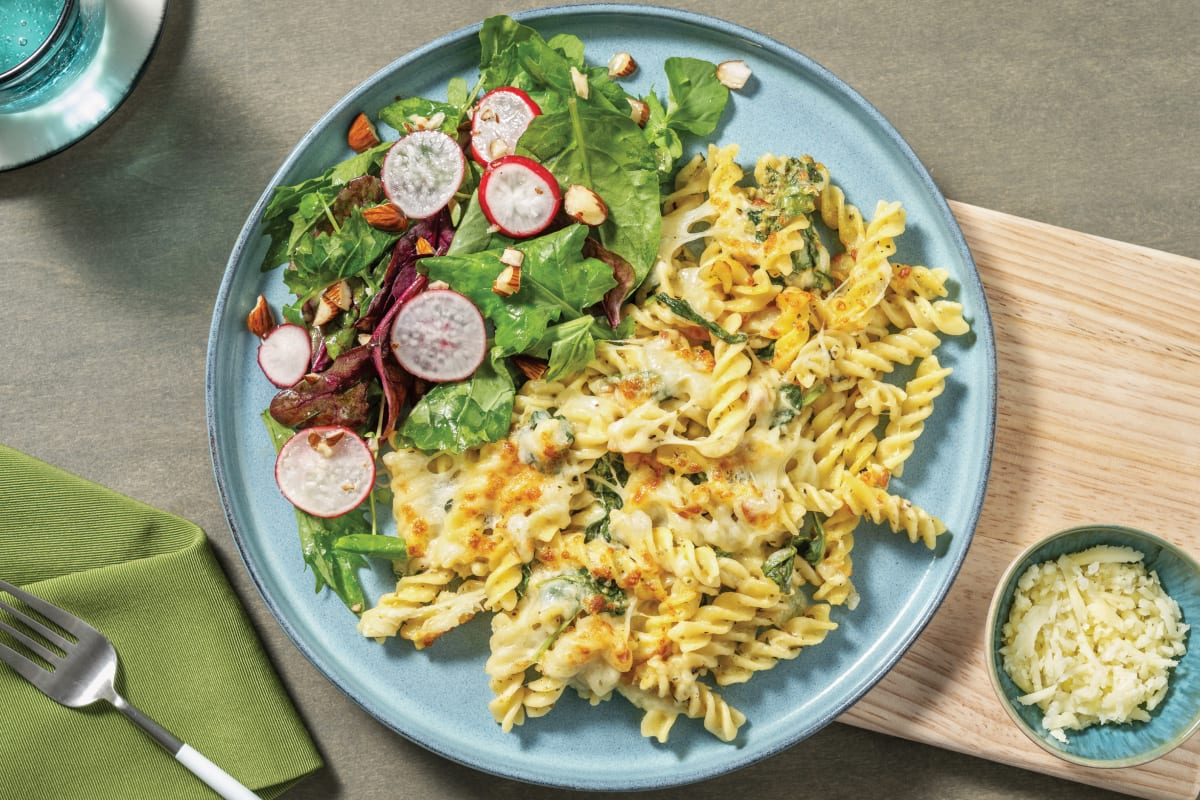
[(218, 779)]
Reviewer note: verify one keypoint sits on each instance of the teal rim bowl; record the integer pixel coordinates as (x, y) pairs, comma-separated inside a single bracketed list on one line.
[(1110, 745)]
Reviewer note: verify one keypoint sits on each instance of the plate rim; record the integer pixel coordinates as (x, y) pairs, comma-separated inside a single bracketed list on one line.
[(982, 327)]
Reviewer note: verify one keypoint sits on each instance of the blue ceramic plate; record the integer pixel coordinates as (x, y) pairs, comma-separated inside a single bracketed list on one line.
[(438, 697), (1175, 719)]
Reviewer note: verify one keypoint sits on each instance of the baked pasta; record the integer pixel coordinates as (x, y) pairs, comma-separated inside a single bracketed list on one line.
[(681, 514)]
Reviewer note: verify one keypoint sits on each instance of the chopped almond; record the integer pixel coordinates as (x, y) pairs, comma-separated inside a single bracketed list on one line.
[(584, 205), (260, 321), (362, 135), (339, 295), (532, 368), (386, 217), (512, 257), (424, 248), (498, 149), (639, 111), (326, 311), (621, 65), (508, 282), (733, 74)]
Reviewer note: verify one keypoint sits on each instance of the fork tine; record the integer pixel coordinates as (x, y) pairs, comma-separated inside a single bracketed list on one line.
[(49, 634), (26, 668), (64, 620), (33, 644)]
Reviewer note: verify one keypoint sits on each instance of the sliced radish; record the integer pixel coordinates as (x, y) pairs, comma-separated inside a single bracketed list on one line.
[(439, 336), (422, 171), (326, 471), (500, 117), (284, 355), (519, 196)]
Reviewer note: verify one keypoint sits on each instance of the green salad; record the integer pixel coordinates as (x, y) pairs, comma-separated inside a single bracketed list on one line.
[(535, 194)]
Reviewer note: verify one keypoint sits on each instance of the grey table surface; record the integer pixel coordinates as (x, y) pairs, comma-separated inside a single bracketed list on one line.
[(1079, 113)]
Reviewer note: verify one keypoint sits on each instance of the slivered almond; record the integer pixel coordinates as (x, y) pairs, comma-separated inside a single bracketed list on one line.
[(532, 368), (580, 82), (733, 74), (260, 321), (584, 205), (362, 135), (424, 248), (508, 282), (621, 65), (386, 217), (639, 111)]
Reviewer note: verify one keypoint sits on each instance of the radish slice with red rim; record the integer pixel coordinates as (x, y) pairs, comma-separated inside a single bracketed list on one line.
[(519, 196), (325, 471), (439, 336), (284, 355), (422, 171), (500, 117)]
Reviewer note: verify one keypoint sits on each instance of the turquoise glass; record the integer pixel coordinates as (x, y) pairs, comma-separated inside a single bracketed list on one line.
[(65, 66), (44, 46)]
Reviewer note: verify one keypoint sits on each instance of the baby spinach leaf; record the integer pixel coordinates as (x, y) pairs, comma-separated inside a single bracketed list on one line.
[(557, 282), (498, 37), (569, 346), (695, 102), (696, 98), (604, 150), (474, 232), (350, 250), (569, 45), (457, 416), (399, 114)]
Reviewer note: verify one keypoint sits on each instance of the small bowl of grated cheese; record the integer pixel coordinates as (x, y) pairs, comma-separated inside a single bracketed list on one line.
[(1091, 648)]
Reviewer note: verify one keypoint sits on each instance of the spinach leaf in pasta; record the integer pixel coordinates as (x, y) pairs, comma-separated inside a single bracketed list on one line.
[(779, 567), (606, 480), (682, 308), (593, 594), (810, 543), (791, 400)]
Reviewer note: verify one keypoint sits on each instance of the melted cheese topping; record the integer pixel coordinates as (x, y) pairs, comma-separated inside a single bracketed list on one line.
[(1092, 638), (681, 512)]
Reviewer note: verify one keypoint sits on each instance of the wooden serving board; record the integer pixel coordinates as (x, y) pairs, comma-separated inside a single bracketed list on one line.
[(1099, 375)]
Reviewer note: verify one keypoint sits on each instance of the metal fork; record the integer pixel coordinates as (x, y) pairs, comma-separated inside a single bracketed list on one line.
[(84, 672)]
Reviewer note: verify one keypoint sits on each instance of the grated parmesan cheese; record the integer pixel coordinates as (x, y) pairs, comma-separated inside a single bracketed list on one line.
[(1091, 639)]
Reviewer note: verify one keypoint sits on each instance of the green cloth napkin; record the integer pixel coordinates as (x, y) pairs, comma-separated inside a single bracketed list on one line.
[(189, 657)]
